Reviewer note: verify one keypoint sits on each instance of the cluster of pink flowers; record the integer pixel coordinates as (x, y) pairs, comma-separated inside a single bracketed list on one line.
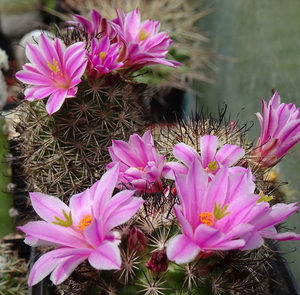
[(123, 44), (280, 131), (218, 207)]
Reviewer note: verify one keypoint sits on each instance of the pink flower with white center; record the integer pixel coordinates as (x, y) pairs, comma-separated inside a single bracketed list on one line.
[(211, 158), (143, 43), (280, 131), (212, 214), (140, 164), (82, 230), (54, 71), (102, 58), (96, 27)]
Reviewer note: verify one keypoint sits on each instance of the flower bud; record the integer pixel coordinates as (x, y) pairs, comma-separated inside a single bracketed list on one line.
[(137, 240), (158, 261)]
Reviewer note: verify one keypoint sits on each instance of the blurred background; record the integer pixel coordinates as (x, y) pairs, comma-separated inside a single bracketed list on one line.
[(236, 53)]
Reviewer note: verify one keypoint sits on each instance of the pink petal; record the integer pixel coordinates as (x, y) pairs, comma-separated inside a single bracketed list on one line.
[(81, 204), (185, 153), (106, 256), (94, 233), (56, 100), (48, 207), (36, 58), (170, 167), (208, 146), (48, 50), (217, 190), (253, 240), (121, 208), (44, 266), (34, 78), (182, 249), (67, 265), (277, 214), (51, 233), (187, 229), (42, 91), (124, 153), (209, 238), (101, 191), (287, 236), (229, 154)]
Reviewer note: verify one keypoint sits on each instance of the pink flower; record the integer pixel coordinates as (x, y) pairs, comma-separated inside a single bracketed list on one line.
[(97, 27), (143, 44), (211, 158), (212, 213), (102, 57), (82, 230), (140, 164), (53, 71), (280, 131)]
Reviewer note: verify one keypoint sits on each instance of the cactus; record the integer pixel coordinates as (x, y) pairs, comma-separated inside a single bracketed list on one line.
[(145, 266), (13, 271), (65, 153), (193, 224)]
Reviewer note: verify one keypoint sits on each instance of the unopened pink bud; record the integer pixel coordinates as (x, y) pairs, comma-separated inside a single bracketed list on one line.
[(137, 240), (158, 261)]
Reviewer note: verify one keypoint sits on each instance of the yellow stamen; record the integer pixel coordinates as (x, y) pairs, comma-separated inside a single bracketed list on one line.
[(212, 166), (206, 218), (209, 218), (143, 35), (85, 221), (141, 169), (102, 55)]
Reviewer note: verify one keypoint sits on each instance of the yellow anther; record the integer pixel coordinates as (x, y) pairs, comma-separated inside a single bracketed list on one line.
[(206, 218), (141, 169), (212, 166), (85, 221)]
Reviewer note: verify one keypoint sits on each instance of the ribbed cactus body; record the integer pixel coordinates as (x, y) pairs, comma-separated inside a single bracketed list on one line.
[(65, 153)]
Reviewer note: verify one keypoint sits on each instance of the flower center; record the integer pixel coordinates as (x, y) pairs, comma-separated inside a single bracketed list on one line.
[(85, 221), (142, 169), (102, 55), (219, 212), (54, 67), (143, 35), (206, 218), (212, 166)]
